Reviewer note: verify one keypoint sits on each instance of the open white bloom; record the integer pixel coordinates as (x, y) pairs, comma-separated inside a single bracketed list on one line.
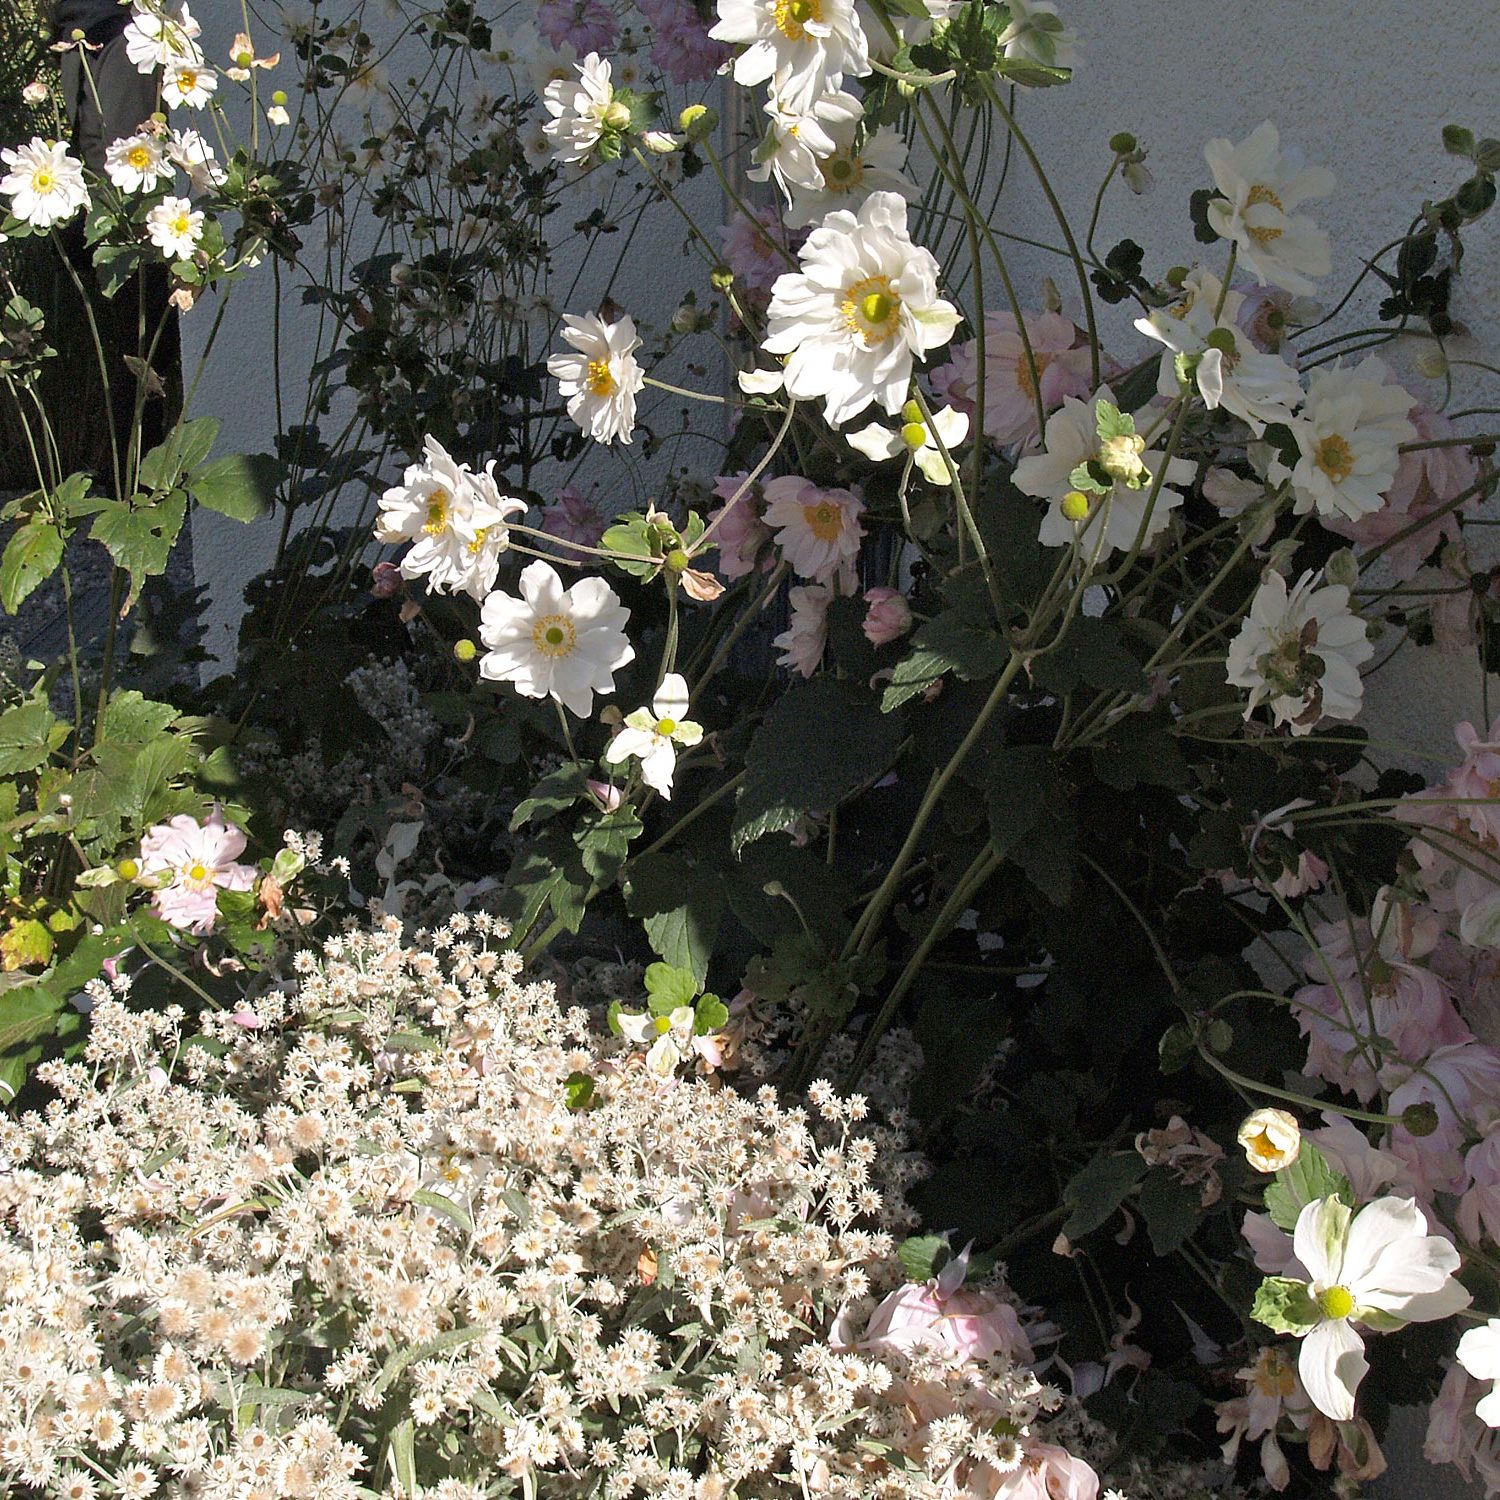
[(187, 149), (454, 518), (921, 442), (863, 305), (1072, 440), (1300, 652), (1231, 372), (44, 184), (1379, 1268), (1259, 188), (652, 734), (174, 226), (1349, 436), (807, 46), (1479, 1354), (801, 135), (137, 163), (851, 172), (554, 642), (584, 110), (670, 1039), (161, 35), (600, 380), (189, 84), (1036, 34)]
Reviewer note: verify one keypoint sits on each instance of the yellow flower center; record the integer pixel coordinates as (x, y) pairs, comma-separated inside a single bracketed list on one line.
[(872, 309), (1273, 1375), (477, 545), (138, 157), (43, 181), (666, 728), (1262, 235), (437, 512), (842, 173), (198, 875), (794, 16), (601, 381), (825, 521), (182, 225), (554, 636), (187, 80), (1023, 372), (1335, 458), (1336, 1302)]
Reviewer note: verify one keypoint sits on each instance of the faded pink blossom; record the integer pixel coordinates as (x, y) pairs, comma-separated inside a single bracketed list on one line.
[(1462, 1084), (609, 797), (1045, 1473), (962, 1324), (803, 642), (888, 617), (1479, 1209), (742, 537), (386, 580), (1266, 317), (1457, 1436), (573, 518), (818, 530), (194, 862), (753, 249), (585, 25), (1009, 388), (680, 44), (1310, 874), (1372, 1172)]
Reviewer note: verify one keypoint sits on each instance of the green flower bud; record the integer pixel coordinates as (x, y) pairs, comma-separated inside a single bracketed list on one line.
[(465, 650), (1123, 143)]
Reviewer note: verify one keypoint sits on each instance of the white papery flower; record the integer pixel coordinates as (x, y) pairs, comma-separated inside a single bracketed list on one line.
[(161, 35), (554, 642), (864, 304), (137, 163), (189, 84), (44, 184), (454, 518), (916, 439), (807, 46), (1036, 34), (601, 379), (584, 110), (187, 149), (1479, 1354), (1259, 188), (652, 734), (1379, 1268), (174, 226), (1300, 652), (800, 137), (1231, 372), (850, 173), (1349, 435), (1072, 440)]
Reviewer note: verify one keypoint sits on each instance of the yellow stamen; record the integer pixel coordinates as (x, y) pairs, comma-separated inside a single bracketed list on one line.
[(43, 181), (666, 728), (825, 521), (794, 16), (477, 544), (437, 512), (1336, 1302), (1335, 458), (1260, 193), (554, 636), (600, 380), (139, 158), (872, 309)]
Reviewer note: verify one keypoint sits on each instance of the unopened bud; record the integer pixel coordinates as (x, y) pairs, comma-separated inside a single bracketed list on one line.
[(465, 650), (1051, 298), (616, 115), (1123, 143), (1419, 1119), (279, 97), (1076, 506), (1342, 568), (698, 122), (127, 869), (721, 278), (912, 412), (1432, 362)]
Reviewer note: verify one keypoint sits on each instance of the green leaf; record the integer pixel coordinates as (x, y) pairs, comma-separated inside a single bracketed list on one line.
[(1111, 422), (186, 446), (1018, 781), (1172, 1211), (605, 843), (1285, 1305), (31, 557), (553, 794), (822, 741), (441, 1203), (681, 905), (1142, 758), (1091, 652), (669, 987), (241, 486), (579, 1090), (29, 733), (403, 1456), (946, 643), (1098, 1190), (140, 539), (130, 716), (712, 1015), (1308, 1178), (922, 1255)]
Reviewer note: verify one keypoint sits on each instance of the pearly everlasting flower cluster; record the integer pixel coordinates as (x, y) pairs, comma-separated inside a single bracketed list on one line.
[(394, 1239)]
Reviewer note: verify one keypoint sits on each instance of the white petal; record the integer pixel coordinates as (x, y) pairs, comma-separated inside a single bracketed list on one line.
[(877, 442), (671, 700), (1319, 1239), (1332, 1363)]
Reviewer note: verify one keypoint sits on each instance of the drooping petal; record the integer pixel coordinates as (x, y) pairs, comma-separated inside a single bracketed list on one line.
[(1332, 1363)]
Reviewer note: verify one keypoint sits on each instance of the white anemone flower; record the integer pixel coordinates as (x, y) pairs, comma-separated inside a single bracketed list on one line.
[(669, 1039), (1300, 651), (584, 110), (137, 163), (187, 149), (1349, 436), (652, 734), (801, 136), (600, 380), (1479, 1354), (455, 520), (189, 84), (863, 306), (44, 184), (159, 35), (807, 46), (1072, 441), (1230, 372), (922, 442), (1259, 188), (1379, 1268), (174, 226), (1036, 34), (850, 173), (554, 642)]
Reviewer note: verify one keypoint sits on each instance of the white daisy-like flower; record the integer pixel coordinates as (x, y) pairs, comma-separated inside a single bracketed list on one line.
[(807, 46), (851, 172), (189, 84), (137, 164), (1300, 652), (187, 149), (455, 520), (1230, 372), (601, 379), (1479, 1354), (1036, 34), (554, 642), (800, 137), (1349, 436), (1073, 441), (161, 37), (1259, 188), (863, 306), (44, 184), (583, 110), (652, 734), (175, 227), (817, 530), (805, 639), (922, 442)]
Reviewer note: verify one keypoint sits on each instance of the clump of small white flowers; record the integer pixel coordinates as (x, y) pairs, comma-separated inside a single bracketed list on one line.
[(463, 1231), (175, 227), (601, 378), (44, 183), (651, 735), (1300, 651), (862, 308)]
